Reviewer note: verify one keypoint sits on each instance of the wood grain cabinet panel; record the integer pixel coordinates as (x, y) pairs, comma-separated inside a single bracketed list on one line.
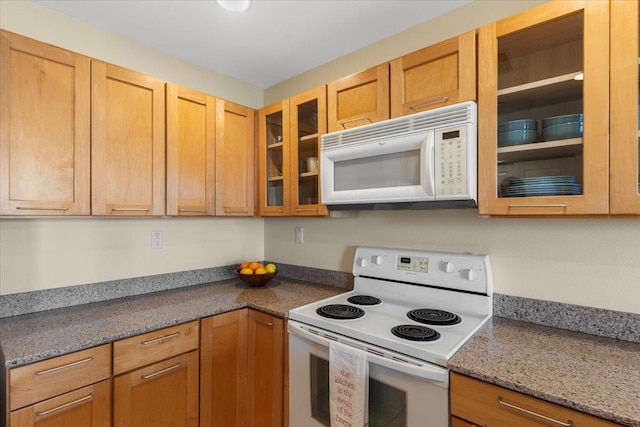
[(358, 99), (128, 142), (164, 394), (489, 405), (45, 109), (274, 169), (435, 76), (141, 350), (543, 63), (87, 407), (38, 381), (624, 130), (235, 159), (265, 370), (191, 139), (223, 370)]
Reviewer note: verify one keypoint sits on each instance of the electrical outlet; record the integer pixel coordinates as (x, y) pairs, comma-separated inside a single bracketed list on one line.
[(156, 239), (299, 235)]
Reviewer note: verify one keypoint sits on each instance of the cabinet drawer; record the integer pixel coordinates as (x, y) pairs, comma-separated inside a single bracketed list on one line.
[(489, 405), (141, 350), (32, 383), (88, 407)]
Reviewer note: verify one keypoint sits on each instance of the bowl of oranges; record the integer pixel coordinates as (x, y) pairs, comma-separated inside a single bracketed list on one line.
[(256, 274)]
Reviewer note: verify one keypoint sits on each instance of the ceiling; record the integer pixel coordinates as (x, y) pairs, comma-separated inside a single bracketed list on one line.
[(270, 43)]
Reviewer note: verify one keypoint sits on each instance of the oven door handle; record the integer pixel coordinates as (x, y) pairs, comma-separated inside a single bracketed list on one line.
[(424, 370)]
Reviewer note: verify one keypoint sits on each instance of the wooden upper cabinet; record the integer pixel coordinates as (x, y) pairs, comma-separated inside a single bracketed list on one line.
[(44, 129), (308, 123), (545, 65), (625, 129), (191, 139), (235, 159), (128, 142), (358, 99), (274, 176), (435, 76)]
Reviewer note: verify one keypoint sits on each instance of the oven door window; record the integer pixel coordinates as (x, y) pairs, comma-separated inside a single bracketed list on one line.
[(387, 405)]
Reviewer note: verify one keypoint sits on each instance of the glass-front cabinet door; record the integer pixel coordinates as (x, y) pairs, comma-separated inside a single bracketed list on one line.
[(544, 111), (273, 168), (308, 123), (625, 109)]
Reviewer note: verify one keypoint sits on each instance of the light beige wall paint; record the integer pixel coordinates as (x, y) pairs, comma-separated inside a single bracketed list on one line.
[(35, 21), (591, 262), (49, 253), (451, 24)]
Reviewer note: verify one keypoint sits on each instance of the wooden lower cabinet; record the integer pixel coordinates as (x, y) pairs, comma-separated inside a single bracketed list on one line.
[(164, 394), (241, 363), (475, 402), (459, 422), (265, 372), (87, 407)]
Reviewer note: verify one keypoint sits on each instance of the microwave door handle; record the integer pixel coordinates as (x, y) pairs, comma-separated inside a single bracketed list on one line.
[(428, 149), (438, 376)]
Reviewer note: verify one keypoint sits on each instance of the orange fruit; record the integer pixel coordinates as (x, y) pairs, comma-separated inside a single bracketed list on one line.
[(254, 265), (245, 264), (246, 271), (260, 270)]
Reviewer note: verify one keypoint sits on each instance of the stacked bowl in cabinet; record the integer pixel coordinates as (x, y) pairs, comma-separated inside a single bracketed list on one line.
[(562, 127)]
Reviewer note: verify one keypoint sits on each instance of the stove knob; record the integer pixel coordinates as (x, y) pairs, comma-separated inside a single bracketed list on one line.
[(448, 266), (470, 274), (377, 259), (362, 262)]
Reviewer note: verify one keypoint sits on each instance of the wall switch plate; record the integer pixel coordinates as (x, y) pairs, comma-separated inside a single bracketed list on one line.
[(157, 238), (299, 235)]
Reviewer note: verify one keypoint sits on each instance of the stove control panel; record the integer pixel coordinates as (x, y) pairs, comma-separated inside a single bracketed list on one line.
[(415, 263), (459, 271)]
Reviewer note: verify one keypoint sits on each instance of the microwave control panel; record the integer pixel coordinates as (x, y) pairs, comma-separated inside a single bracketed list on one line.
[(451, 162)]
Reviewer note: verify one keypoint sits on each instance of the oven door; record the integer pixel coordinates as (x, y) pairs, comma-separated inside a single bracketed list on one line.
[(403, 392)]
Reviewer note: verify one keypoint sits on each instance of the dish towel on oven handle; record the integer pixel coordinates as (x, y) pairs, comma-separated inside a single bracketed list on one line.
[(348, 385)]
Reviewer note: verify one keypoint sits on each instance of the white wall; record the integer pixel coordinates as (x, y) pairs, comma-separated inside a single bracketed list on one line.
[(592, 262), (49, 253)]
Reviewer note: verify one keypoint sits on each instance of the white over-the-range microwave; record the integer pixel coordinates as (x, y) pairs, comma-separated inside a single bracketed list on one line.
[(425, 160)]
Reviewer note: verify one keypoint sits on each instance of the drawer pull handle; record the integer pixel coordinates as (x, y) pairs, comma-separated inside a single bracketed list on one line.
[(130, 209), (548, 205), (68, 365), (534, 414), (193, 210), (306, 210), (166, 337), (66, 405), (24, 208), (428, 101), (236, 211), (264, 322), (155, 374), (355, 120)]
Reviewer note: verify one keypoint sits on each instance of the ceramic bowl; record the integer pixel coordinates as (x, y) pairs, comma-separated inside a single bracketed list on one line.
[(256, 280), (563, 131), (526, 124), (561, 120)]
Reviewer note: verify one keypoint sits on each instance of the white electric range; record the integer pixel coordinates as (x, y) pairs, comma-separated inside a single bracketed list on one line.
[(411, 310)]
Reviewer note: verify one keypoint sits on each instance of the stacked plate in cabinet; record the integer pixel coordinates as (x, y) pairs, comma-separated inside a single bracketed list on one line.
[(540, 186)]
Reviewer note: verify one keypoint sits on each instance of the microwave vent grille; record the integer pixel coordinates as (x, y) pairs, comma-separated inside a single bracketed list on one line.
[(415, 123)]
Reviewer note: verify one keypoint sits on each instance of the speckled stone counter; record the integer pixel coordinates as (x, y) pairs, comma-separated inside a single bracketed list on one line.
[(32, 337), (595, 375)]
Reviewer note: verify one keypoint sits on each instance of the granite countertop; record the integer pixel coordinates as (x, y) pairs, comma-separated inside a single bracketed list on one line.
[(32, 337), (595, 375)]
